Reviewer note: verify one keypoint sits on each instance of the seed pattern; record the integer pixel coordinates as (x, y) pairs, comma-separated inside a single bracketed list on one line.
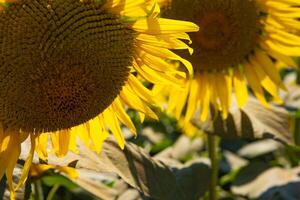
[(62, 62)]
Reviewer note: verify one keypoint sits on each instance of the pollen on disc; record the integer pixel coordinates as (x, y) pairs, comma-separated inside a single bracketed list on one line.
[(61, 63)]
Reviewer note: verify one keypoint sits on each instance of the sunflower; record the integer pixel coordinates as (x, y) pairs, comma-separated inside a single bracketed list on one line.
[(238, 44), (69, 69)]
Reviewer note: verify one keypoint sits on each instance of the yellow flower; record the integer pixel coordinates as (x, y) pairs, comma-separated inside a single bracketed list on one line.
[(239, 42), (68, 70)]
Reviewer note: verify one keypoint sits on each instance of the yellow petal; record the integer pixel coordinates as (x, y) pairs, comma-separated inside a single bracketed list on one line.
[(167, 54), (154, 62), (159, 26), (264, 80), (12, 154), (41, 145), (134, 102), (254, 83), (192, 100), (279, 56), (224, 87), (97, 133), (71, 172), (240, 87), (72, 142), (204, 95), (169, 41), (83, 132), (177, 99), (269, 68), (111, 120), (27, 164), (281, 48), (60, 142), (122, 115), (39, 169), (155, 76), (141, 90)]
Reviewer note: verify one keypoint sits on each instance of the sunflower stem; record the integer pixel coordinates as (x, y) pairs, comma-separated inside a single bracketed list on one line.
[(213, 146), (297, 117), (298, 74), (2, 186), (52, 192), (28, 190), (38, 190)]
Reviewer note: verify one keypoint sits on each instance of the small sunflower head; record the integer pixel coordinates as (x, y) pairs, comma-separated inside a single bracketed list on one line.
[(61, 62), (237, 46), (229, 31)]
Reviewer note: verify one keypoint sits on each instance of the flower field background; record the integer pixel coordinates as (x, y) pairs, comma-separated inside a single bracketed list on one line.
[(150, 99), (257, 158)]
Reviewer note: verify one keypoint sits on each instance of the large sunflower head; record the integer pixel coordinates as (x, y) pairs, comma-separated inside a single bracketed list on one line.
[(61, 68), (68, 67), (239, 42)]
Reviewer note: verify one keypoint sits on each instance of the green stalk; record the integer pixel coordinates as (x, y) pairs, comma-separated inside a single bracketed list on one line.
[(213, 146), (298, 77), (28, 190), (53, 191), (2, 186), (297, 119), (38, 190)]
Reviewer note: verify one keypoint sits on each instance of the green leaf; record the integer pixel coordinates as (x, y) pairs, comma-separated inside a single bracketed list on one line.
[(54, 179)]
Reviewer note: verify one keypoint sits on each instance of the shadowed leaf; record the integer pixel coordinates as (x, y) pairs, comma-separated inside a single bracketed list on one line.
[(142, 172), (151, 177), (292, 97), (274, 183), (254, 121), (97, 188)]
